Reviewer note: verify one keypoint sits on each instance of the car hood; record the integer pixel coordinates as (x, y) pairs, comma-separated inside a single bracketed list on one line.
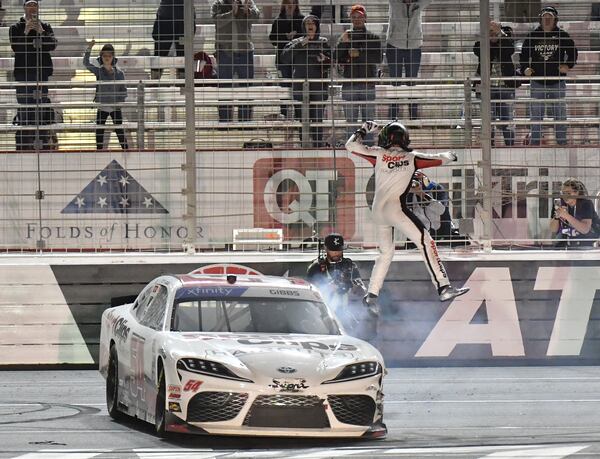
[(262, 357)]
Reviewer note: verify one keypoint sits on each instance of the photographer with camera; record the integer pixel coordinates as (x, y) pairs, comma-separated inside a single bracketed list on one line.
[(339, 281), (32, 40), (574, 219)]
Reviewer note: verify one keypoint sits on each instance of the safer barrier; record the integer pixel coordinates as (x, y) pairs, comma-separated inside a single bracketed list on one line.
[(523, 308)]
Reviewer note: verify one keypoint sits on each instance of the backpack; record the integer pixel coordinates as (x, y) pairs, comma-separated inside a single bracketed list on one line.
[(205, 66)]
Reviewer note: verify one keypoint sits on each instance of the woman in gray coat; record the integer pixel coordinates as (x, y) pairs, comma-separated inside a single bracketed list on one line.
[(108, 96)]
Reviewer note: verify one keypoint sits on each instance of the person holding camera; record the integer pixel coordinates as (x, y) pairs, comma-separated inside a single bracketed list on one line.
[(502, 92), (234, 48), (335, 274), (574, 218), (339, 281), (32, 40), (358, 52)]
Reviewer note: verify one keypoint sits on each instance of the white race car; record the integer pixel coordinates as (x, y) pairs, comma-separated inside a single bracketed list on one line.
[(241, 355)]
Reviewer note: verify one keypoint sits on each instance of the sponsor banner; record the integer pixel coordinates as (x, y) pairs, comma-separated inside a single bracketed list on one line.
[(117, 200), (520, 310)]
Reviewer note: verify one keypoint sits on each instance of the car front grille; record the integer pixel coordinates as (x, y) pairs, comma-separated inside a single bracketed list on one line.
[(215, 406), (287, 411), (357, 410)]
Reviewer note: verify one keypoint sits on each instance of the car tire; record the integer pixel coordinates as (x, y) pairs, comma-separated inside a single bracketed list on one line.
[(160, 413), (112, 385)]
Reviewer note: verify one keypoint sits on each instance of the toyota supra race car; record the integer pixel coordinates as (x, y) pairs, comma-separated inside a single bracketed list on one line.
[(239, 355)]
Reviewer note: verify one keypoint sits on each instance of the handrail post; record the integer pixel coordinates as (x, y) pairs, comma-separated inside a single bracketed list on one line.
[(141, 115), (468, 113), (305, 114)]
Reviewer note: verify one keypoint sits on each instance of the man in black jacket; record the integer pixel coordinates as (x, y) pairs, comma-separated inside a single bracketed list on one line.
[(286, 27), (358, 52), (548, 51), (168, 30), (502, 48), (31, 40)]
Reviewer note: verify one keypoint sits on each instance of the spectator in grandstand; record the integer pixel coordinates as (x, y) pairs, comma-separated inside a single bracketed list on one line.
[(595, 16), (309, 57), (548, 51), (502, 48), (31, 41), (404, 42), (234, 47), (168, 31), (286, 27), (574, 217), (108, 96), (358, 52)]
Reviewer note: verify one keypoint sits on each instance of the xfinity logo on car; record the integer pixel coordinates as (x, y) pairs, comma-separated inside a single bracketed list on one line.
[(286, 370)]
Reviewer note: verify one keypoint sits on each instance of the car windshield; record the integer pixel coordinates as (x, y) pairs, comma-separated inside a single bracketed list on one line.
[(253, 315)]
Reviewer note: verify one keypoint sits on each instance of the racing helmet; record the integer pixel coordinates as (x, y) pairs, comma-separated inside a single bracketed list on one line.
[(394, 133)]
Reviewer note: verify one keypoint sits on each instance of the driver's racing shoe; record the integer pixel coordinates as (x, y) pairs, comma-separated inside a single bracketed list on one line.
[(448, 292)]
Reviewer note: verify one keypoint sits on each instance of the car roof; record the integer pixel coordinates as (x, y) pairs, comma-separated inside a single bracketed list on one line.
[(205, 280)]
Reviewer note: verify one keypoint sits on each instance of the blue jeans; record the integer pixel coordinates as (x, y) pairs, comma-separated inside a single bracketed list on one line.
[(242, 65), (410, 61), (353, 111), (557, 109), (503, 111)]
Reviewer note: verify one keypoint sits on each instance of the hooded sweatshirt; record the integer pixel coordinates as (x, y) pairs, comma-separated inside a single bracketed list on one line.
[(305, 61), (405, 29), (109, 96), (545, 51)]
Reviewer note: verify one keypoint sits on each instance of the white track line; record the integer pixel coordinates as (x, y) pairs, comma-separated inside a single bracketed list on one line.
[(554, 452)]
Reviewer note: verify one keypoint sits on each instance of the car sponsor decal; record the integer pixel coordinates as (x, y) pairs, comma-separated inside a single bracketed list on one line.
[(286, 385), (284, 292), (187, 293), (192, 385), (308, 345), (174, 407), (119, 326), (174, 395), (174, 388)]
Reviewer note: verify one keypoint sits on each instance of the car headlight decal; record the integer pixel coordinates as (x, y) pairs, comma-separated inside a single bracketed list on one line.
[(356, 371), (209, 368)]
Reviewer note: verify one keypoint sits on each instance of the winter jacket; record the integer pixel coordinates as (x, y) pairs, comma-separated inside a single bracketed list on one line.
[(282, 25), (501, 52), (107, 94), (305, 63), (405, 29), (233, 33), (545, 51), (26, 54), (365, 65)]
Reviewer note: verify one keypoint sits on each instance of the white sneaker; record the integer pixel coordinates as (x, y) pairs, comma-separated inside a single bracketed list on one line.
[(450, 292)]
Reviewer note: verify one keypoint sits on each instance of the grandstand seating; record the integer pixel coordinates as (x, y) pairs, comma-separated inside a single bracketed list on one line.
[(450, 29)]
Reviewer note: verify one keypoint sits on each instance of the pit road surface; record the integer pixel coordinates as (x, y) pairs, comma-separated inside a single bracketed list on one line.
[(501, 412)]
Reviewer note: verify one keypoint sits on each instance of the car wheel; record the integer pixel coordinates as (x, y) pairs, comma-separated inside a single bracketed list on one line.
[(112, 385), (160, 412)]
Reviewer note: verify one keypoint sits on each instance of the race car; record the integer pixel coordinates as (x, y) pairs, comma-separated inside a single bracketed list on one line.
[(240, 355)]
